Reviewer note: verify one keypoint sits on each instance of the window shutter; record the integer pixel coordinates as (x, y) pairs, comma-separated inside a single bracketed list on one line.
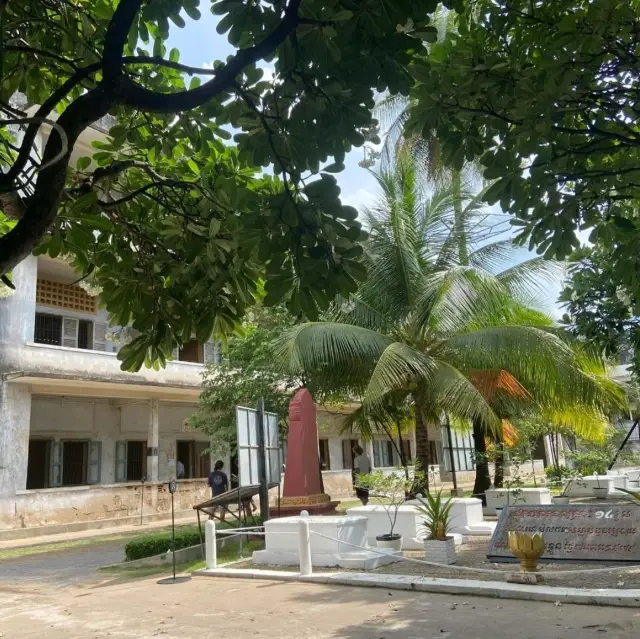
[(212, 353), (55, 470), (70, 332), (95, 462), (377, 462), (121, 461), (99, 336)]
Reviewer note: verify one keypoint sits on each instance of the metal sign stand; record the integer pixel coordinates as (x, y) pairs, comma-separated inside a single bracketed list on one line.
[(173, 485), (262, 464)]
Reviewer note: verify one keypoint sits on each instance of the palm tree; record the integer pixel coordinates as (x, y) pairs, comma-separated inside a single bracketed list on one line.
[(425, 327)]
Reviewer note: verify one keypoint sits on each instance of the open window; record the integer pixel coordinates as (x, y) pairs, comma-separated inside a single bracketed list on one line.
[(73, 462), (191, 460), (325, 460)]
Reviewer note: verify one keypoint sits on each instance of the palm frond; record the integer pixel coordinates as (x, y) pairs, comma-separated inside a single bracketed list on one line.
[(458, 396), (399, 368), (455, 298), (540, 360), (337, 353), (532, 277), (585, 422)]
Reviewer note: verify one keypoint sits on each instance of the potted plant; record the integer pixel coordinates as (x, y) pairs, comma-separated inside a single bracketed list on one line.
[(389, 491), (563, 498), (439, 547), (600, 492)]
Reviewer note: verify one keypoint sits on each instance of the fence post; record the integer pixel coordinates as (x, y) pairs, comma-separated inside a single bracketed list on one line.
[(211, 549), (306, 567)]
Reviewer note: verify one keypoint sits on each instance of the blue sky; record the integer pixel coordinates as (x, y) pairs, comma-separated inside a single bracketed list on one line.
[(200, 44)]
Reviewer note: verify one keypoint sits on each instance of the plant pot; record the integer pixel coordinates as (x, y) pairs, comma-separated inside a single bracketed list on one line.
[(499, 511), (389, 541), (440, 552), (561, 501), (600, 493)]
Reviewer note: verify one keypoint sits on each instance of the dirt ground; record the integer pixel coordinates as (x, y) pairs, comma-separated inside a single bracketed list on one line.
[(229, 608)]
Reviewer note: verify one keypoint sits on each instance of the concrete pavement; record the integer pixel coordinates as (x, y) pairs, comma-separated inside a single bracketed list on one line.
[(228, 608)]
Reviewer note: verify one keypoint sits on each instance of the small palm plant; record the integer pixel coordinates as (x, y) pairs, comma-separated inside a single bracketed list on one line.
[(439, 546), (437, 512)]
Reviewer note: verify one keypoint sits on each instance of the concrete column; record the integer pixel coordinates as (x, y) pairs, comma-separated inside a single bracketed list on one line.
[(15, 419), (153, 437), (18, 311), (306, 565)]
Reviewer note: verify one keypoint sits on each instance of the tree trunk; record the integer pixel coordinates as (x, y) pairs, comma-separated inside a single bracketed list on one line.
[(422, 445), (463, 250), (483, 478), (498, 475), (403, 457)]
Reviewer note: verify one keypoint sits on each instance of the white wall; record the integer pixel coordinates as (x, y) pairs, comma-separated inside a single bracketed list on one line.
[(111, 420)]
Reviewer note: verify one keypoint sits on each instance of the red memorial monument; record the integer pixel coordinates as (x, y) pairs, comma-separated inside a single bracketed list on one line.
[(303, 488)]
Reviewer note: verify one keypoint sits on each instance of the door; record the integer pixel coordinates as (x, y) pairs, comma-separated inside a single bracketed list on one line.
[(347, 453), (38, 464), (184, 451)]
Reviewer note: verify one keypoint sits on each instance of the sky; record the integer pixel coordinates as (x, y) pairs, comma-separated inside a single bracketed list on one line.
[(200, 44)]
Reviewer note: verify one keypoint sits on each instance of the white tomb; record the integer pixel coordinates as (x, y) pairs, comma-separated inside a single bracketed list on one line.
[(501, 497), (584, 487), (282, 543)]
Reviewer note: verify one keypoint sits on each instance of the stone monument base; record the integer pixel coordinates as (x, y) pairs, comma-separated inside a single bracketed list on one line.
[(314, 504)]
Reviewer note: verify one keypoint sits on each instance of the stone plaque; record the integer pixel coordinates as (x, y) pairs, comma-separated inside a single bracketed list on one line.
[(607, 532)]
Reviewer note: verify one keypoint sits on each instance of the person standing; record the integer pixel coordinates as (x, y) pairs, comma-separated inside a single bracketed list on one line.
[(361, 466), (219, 483)]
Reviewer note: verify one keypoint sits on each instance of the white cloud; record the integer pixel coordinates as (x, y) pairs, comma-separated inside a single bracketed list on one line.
[(359, 199)]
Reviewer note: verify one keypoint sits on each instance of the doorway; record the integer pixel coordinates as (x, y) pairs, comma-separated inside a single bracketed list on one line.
[(38, 464)]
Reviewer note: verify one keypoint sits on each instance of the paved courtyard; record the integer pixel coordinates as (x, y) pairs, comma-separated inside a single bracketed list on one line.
[(229, 608)]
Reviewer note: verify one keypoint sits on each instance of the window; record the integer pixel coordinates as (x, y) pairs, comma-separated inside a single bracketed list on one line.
[(383, 454), (70, 332), (190, 455), (131, 460), (463, 450), (347, 453), (74, 462), (192, 351), (325, 459), (85, 334), (48, 329)]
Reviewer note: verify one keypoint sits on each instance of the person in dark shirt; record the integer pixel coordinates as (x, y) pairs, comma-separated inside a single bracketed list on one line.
[(219, 483)]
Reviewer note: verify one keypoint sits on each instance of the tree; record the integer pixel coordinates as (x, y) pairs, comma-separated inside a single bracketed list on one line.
[(248, 372), (171, 223), (600, 310), (545, 95), (445, 336)]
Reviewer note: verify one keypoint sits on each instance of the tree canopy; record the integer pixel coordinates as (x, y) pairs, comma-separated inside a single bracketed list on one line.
[(545, 95), (247, 373), (171, 221)]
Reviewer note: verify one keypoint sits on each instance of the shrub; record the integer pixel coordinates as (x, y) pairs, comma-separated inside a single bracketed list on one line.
[(558, 474), (158, 543)]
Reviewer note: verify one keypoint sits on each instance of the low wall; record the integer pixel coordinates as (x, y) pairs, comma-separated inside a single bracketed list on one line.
[(53, 506)]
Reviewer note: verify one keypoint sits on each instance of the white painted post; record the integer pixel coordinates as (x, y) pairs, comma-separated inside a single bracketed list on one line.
[(211, 549), (306, 567)]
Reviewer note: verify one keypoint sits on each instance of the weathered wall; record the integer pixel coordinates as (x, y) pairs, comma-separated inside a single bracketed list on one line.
[(89, 503), (338, 483)]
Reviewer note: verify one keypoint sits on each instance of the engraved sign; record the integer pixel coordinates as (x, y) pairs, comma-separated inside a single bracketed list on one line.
[(607, 532)]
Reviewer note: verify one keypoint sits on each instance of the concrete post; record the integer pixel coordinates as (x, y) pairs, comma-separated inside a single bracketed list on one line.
[(211, 549), (15, 423), (306, 567), (153, 437)]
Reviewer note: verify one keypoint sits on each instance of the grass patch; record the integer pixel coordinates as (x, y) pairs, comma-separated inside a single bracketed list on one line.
[(156, 543)]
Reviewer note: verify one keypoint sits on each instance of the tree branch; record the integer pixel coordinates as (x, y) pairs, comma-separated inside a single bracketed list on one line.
[(116, 37), (138, 97)]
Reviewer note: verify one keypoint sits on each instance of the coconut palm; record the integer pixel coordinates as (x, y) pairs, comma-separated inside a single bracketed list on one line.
[(426, 328)]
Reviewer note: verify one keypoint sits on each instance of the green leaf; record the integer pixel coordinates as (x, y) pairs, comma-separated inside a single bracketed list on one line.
[(83, 162)]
